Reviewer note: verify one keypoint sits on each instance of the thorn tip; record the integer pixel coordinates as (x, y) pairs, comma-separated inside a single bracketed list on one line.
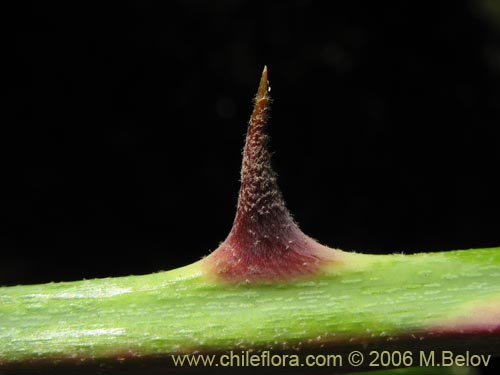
[(263, 90)]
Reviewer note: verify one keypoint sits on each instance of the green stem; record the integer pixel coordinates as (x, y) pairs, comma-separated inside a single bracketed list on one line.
[(417, 301)]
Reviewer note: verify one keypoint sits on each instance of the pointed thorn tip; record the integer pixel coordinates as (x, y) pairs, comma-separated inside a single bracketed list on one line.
[(263, 86)]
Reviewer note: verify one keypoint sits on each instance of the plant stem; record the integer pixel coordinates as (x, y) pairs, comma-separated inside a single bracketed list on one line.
[(418, 301)]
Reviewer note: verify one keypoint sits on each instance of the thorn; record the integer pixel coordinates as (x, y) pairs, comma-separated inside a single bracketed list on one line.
[(264, 243)]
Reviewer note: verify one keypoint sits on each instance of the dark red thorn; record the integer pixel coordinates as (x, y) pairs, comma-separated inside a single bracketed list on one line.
[(265, 244)]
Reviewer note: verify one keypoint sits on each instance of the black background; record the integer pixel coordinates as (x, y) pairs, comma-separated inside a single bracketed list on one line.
[(123, 128), (124, 125)]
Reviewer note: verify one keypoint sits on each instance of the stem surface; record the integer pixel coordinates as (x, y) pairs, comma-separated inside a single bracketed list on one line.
[(419, 300)]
